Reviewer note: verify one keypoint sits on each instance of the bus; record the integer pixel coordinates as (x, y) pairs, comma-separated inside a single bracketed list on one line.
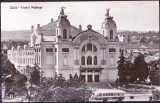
[(103, 95)]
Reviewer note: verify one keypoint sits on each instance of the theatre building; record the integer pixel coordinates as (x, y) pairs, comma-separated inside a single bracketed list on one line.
[(59, 47)]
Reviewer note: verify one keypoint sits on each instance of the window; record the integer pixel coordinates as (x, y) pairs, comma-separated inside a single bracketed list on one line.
[(83, 48), (95, 60), (96, 70), (55, 49), (111, 34), (89, 60), (103, 32), (89, 47), (65, 61), (82, 70), (83, 60), (55, 60), (112, 50), (64, 34), (95, 49), (5, 51), (49, 50), (89, 70), (65, 49), (57, 32)]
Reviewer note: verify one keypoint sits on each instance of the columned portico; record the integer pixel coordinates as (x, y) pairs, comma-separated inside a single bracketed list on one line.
[(90, 74)]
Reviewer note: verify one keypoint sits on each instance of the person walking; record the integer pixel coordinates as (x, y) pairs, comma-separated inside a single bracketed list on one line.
[(11, 93)]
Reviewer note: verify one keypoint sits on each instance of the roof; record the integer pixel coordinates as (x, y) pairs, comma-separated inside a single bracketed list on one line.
[(50, 29), (132, 46), (142, 46), (85, 31)]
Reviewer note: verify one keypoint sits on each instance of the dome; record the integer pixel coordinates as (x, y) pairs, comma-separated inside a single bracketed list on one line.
[(109, 23), (62, 19)]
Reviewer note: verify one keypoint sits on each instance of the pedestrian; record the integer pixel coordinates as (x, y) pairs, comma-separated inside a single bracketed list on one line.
[(11, 93)]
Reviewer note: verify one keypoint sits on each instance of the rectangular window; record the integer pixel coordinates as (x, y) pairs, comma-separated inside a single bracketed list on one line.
[(65, 49), (55, 49), (112, 50), (49, 49)]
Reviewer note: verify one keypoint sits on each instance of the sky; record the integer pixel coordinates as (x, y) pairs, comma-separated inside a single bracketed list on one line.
[(128, 15)]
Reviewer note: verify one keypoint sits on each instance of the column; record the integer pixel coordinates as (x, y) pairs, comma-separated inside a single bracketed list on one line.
[(86, 77), (92, 60), (85, 60), (78, 54), (93, 75), (75, 54), (104, 50), (101, 54)]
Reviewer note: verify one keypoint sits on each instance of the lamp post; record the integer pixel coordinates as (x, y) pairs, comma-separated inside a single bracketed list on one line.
[(136, 84)]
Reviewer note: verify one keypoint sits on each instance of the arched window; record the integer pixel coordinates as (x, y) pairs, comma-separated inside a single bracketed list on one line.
[(64, 34), (95, 60), (89, 60), (83, 60), (83, 48), (65, 61), (89, 47), (111, 34), (95, 48)]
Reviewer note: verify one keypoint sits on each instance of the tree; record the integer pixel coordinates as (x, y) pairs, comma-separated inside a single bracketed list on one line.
[(8, 72), (140, 68), (35, 76), (129, 69), (143, 40), (59, 82), (122, 70), (70, 77), (154, 72)]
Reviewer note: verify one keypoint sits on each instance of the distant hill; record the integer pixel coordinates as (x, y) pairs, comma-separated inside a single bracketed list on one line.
[(15, 35), (25, 34)]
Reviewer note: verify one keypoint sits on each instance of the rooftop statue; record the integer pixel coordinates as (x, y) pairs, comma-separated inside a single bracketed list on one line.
[(107, 14)]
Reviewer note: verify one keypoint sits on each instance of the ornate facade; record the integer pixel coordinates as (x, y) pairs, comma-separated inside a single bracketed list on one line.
[(59, 47)]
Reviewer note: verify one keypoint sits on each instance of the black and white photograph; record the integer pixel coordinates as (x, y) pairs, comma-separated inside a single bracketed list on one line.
[(82, 51)]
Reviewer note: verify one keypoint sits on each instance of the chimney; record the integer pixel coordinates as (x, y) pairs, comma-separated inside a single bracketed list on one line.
[(80, 27), (52, 19)]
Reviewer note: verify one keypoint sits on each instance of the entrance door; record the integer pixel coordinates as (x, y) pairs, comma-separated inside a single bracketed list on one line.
[(89, 78), (96, 78)]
